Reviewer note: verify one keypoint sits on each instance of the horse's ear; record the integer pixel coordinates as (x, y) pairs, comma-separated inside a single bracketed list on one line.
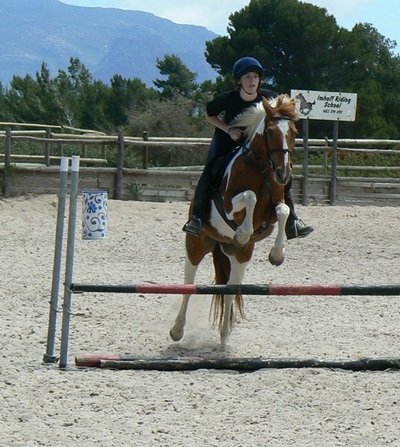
[(267, 107), (292, 109), (292, 105)]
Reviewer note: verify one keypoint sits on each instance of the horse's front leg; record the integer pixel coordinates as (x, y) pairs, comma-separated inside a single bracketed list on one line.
[(176, 333), (245, 200), (277, 253)]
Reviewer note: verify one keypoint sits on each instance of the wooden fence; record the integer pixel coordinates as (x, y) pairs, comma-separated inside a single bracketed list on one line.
[(37, 174)]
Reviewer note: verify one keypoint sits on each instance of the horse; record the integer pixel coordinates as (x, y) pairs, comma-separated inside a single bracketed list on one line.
[(305, 106), (249, 201)]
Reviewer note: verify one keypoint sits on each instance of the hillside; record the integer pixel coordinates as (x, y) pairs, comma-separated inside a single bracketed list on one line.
[(107, 40)]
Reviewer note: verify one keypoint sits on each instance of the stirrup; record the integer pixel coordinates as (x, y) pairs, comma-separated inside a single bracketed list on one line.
[(303, 230), (193, 226)]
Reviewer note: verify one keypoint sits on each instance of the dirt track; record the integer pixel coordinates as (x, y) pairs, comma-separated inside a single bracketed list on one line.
[(43, 406)]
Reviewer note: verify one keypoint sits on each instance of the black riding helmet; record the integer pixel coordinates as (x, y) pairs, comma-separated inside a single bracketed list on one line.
[(245, 65)]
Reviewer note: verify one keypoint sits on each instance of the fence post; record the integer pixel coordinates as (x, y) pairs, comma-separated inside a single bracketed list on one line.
[(304, 196), (332, 198), (7, 164), (145, 153), (47, 148), (103, 151), (326, 155), (120, 165)]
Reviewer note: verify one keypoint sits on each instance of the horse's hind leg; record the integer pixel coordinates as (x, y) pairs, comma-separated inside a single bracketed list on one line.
[(236, 277), (196, 249)]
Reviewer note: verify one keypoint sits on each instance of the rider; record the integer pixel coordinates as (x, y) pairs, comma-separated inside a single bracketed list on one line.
[(220, 111)]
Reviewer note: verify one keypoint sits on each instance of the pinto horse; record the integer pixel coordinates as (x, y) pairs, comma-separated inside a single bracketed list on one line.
[(249, 202)]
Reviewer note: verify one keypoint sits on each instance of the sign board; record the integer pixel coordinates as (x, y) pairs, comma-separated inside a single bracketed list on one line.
[(325, 105)]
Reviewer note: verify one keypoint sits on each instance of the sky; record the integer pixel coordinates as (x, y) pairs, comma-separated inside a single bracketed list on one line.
[(214, 14)]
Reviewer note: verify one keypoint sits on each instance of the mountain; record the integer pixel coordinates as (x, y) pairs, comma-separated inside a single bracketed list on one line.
[(107, 41)]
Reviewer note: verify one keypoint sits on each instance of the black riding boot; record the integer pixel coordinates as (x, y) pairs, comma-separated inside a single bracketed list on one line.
[(294, 226), (200, 202)]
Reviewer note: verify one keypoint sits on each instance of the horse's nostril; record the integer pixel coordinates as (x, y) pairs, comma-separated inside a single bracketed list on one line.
[(279, 177), (282, 176)]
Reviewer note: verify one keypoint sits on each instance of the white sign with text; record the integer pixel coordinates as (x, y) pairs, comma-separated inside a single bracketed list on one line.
[(325, 105)]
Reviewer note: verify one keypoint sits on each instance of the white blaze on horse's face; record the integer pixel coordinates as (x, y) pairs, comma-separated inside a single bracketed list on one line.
[(283, 126), (280, 145)]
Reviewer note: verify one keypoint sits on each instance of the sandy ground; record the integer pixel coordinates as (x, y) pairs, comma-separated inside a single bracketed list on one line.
[(42, 405)]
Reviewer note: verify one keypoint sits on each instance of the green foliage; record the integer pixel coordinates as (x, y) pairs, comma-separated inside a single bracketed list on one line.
[(180, 80), (180, 117), (123, 96), (135, 191), (290, 38), (302, 47)]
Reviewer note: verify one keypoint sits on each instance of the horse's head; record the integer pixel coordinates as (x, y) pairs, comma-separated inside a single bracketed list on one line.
[(269, 133), (279, 135)]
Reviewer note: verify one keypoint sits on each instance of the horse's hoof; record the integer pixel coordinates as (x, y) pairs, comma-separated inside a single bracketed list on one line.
[(224, 344), (175, 334), (224, 340), (276, 257), (275, 261)]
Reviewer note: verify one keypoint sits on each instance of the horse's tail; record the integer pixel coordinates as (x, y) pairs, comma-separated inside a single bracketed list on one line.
[(222, 272)]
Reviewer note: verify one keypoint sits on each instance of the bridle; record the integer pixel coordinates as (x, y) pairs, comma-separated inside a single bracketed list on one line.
[(260, 163)]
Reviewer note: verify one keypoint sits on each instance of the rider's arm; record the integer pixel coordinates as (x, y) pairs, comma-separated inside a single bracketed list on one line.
[(234, 132)]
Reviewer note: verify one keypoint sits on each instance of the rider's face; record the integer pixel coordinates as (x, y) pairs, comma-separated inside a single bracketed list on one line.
[(250, 82)]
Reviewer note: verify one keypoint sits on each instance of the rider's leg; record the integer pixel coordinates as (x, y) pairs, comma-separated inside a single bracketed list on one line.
[(294, 226), (200, 201), (203, 191)]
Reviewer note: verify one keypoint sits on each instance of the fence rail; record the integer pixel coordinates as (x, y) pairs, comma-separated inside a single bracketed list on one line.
[(29, 173)]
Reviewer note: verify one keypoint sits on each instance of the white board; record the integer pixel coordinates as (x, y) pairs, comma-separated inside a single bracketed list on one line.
[(332, 106)]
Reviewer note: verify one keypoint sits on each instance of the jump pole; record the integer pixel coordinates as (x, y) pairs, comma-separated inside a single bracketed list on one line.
[(110, 361), (69, 264), (245, 289), (49, 356)]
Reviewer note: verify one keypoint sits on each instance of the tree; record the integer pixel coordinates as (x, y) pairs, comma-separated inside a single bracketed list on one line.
[(290, 38), (369, 68), (28, 101), (5, 112), (180, 80), (124, 96), (48, 98), (302, 47)]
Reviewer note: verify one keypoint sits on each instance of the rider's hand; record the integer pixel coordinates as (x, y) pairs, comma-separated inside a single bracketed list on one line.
[(235, 133)]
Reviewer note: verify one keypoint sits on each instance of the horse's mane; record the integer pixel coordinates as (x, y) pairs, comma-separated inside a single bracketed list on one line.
[(252, 119), (285, 106)]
